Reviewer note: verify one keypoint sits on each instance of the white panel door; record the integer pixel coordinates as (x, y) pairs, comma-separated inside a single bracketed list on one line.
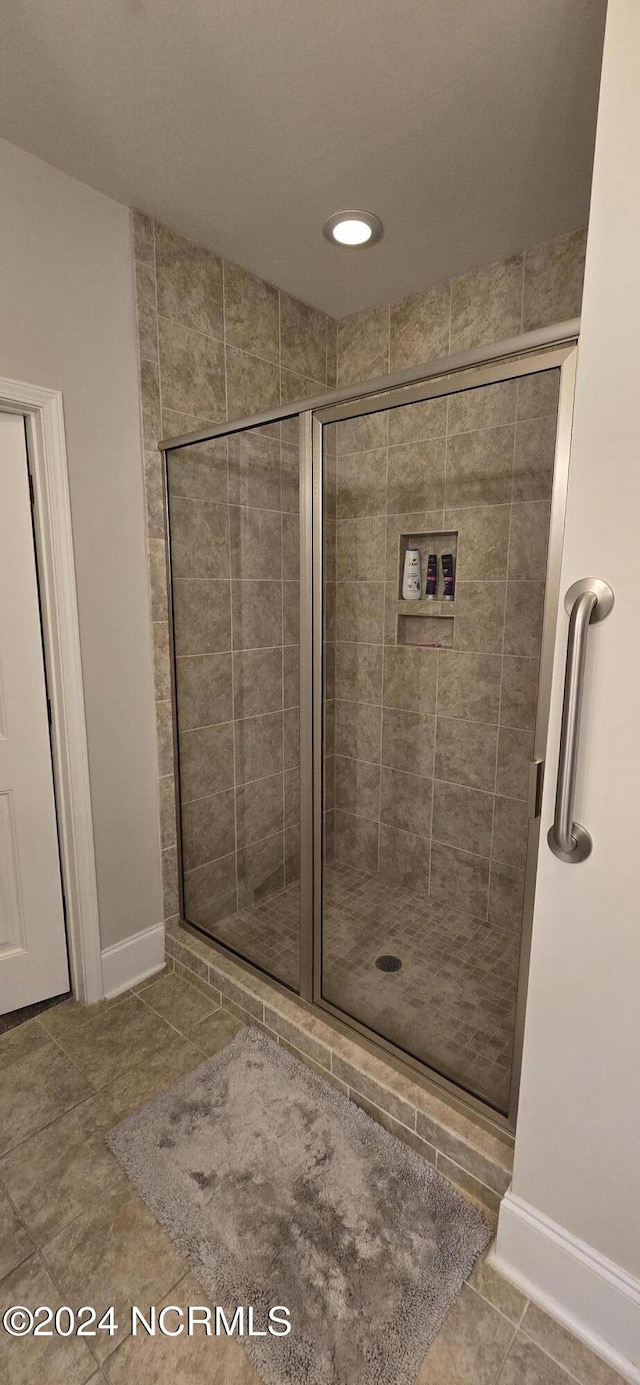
[(33, 950)]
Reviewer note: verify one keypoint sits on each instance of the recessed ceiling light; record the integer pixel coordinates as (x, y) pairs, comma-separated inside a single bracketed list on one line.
[(354, 229)]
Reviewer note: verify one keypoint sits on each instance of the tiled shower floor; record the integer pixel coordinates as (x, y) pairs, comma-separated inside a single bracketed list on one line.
[(452, 1002)]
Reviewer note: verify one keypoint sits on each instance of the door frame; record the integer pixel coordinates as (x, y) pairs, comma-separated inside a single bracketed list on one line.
[(42, 410)]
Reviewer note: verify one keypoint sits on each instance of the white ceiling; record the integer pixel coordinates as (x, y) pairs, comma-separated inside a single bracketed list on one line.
[(466, 125)]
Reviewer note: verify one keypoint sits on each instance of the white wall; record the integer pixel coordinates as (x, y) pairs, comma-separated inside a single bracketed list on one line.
[(67, 322), (577, 1158)]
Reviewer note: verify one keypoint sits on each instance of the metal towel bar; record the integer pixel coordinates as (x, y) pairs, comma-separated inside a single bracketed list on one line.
[(587, 602)]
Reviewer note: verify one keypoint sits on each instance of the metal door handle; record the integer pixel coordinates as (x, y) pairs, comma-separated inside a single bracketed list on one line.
[(586, 602)]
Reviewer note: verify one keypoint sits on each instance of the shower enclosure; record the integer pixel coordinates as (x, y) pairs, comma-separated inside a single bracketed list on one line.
[(358, 775)]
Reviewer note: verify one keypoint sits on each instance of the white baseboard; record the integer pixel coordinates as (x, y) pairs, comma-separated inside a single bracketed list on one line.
[(126, 963), (593, 1297)]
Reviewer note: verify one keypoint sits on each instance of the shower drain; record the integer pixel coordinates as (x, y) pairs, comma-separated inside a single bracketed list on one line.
[(387, 962)]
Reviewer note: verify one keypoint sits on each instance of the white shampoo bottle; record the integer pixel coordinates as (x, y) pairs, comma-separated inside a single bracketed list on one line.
[(411, 579)]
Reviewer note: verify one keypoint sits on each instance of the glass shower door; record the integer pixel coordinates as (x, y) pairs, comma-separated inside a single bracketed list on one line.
[(233, 521), (429, 717)]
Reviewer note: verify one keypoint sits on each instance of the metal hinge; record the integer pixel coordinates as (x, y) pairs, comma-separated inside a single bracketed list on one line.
[(32, 494), (536, 782), (49, 712)]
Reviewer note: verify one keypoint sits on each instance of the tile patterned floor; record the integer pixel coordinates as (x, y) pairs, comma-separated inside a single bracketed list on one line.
[(452, 1003), (29, 1012), (74, 1231)]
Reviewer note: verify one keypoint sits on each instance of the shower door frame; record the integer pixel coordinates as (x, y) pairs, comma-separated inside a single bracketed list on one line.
[(545, 349)]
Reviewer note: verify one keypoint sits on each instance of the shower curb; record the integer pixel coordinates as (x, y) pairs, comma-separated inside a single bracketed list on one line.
[(476, 1161)]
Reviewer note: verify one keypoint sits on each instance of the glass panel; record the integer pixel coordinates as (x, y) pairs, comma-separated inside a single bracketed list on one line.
[(429, 719), (234, 539)]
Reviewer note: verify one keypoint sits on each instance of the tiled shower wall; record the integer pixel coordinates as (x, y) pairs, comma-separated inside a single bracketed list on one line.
[(215, 342), (438, 802), (432, 745)]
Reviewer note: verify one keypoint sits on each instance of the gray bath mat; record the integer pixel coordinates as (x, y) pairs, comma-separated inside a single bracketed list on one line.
[(279, 1190)]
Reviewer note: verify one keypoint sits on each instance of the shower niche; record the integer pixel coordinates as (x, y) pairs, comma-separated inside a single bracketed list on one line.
[(428, 622)]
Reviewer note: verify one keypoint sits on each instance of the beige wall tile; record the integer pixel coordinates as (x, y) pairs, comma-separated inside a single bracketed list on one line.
[(534, 457), (200, 472), (143, 243), (251, 313), (303, 338), (405, 801), (408, 741), (529, 534), (466, 753), (357, 841), (297, 389), (403, 858), (204, 690), (199, 538), (479, 617), (254, 470), (510, 828), (538, 394), (260, 871), (147, 316), (210, 890), (259, 809), (255, 543), (469, 685), (363, 346), (415, 479), (252, 384), (488, 407), (410, 679), (258, 747), (150, 403), (192, 370), (206, 761), (357, 787), (257, 681), (359, 672), (459, 880), (202, 615), (167, 789), (483, 541), (479, 467), (360, 549), (291, 676), (169, 867), (161, 669), (515, 753), (523, 617), (486, 304), (415, 422), (208, 829), (553, 278), (257, 614), (506, 892), (362, 434), (189, 280), (462, 817), (361, 484), (360, 611), (419, 326), (357, 730), (519, 692)]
